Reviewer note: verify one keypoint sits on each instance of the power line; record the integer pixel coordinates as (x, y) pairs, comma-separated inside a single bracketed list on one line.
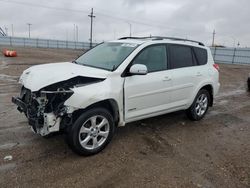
[(152, 24), (42, 6)]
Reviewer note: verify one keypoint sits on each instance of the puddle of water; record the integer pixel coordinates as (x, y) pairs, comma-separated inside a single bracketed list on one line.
[(5, 77), (213, 113), (3, 64), (8, 129), (221, 102), (8, 146), (231, 93)]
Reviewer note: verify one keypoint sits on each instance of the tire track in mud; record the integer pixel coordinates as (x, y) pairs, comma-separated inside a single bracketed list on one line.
[(166, 146), (8, 84)]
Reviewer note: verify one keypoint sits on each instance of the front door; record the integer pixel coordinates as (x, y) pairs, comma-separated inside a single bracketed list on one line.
[(150, 93)]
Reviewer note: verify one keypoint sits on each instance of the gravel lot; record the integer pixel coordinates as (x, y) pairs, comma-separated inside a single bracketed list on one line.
[(165, 151)]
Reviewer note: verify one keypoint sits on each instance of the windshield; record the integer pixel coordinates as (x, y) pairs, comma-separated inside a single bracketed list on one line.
[(107, 55)]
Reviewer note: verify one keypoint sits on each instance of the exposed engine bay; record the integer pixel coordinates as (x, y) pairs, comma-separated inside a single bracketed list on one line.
[(45, 108)]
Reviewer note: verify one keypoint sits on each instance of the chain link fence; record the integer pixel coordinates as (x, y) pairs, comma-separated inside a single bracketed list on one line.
[(231, 55), (220, 54), (43, 43)]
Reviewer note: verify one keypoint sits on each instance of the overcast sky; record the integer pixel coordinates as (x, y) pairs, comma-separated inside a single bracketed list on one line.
[(192, 19)]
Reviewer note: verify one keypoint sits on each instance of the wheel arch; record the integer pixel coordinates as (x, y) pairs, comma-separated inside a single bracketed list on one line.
[(110, 104), (210, 90)]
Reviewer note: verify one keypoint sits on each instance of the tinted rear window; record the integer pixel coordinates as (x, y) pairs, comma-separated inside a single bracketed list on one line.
[(181, 56), (201, 55)]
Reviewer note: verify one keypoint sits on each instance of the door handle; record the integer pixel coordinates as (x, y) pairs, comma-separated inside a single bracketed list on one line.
[(166, 78), (198, 74)]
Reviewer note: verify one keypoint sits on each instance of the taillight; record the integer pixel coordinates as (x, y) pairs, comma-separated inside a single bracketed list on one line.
[(216, 66)]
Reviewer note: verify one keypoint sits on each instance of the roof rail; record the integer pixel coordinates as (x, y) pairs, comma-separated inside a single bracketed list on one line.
[(178, 39), (134, 38), (161, 38)]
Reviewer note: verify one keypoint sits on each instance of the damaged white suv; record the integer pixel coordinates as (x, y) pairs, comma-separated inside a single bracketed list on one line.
[(116, 83)]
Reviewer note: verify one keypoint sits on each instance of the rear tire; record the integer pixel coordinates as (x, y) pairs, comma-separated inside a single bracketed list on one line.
[(200, 106), (91, 132)]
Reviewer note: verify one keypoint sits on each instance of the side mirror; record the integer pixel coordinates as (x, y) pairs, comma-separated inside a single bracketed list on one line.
[(138, 69)]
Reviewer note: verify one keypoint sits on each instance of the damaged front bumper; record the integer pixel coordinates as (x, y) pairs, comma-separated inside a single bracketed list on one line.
[(45, 106), (45, 110), (41, 125), (21, 106)]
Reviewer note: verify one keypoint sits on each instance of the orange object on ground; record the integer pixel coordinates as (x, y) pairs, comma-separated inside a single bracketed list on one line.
[(10, 53)]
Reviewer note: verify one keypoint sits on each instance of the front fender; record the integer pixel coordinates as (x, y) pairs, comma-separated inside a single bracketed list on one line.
[(87, 95)]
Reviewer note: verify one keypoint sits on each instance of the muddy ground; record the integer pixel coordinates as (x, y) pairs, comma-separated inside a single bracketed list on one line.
[(165, 151)]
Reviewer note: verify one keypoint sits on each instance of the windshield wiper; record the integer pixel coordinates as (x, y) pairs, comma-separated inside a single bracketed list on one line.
[(87, 65), (74, 61), (113, 68)]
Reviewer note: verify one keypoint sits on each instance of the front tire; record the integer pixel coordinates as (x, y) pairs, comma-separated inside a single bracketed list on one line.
[(91, 132), (200, 106)]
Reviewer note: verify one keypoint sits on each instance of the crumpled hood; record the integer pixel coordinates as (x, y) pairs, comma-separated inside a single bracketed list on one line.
[(39, 76)]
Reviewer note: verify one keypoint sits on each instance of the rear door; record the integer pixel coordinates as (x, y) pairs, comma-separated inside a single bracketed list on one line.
[(185, 73)]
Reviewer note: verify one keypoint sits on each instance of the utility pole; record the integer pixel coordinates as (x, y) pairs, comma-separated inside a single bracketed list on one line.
[(29, 24), (12, 30), (76, 33), (91, 26), (234, 41), (114, 34), (213, 39), (130, 29), (6, 31), (67, 35)]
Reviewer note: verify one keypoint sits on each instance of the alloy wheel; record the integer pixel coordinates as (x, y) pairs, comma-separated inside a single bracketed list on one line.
[(94, 132)]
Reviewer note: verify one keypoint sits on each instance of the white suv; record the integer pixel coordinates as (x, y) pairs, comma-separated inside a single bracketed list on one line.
[(116, 83)]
